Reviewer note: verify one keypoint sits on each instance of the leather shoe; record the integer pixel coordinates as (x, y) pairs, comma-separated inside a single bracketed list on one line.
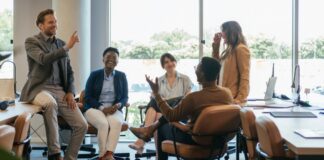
[(144, 133), (109, 155), (56, 156)]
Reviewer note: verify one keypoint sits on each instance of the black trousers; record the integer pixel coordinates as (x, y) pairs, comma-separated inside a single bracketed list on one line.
[(169, 132), (172, 102)]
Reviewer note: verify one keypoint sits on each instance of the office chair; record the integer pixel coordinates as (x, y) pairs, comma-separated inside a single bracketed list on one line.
[(271, 145), (207, 135), (249, 132), (7, 135), (63, 125), (22, 137)]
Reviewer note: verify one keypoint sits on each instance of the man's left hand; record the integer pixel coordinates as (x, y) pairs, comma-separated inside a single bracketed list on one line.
[(69, 98), (154, 86)]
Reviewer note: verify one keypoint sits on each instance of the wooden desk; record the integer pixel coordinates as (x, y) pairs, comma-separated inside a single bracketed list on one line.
[(13, 111), (302, 147)]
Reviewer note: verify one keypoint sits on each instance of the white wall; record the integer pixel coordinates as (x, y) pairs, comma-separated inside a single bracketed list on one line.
[(99, 31)]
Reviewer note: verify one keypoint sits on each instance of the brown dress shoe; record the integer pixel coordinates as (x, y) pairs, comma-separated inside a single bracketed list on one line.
[(144, 133), (109, 155)]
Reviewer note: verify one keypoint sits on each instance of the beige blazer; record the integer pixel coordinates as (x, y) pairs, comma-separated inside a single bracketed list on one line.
[(237, 73)]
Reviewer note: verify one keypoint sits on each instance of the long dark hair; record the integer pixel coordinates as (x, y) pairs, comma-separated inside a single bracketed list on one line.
[(234, 36)]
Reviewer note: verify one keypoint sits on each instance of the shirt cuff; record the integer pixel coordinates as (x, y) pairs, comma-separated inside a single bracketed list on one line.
[(101, 107), (66, 49)]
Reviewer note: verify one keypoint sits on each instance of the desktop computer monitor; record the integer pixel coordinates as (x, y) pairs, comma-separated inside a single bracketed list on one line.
[(296, 85)]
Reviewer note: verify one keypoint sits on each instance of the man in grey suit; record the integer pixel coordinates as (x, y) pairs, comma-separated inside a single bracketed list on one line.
[(50, 85)]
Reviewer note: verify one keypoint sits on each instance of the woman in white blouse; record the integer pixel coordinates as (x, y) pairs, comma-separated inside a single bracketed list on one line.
[(173, 85)]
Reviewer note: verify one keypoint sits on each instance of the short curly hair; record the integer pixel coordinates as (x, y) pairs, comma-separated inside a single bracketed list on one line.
[(211, 68)]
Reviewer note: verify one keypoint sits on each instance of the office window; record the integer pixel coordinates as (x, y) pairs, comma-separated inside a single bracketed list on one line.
[(143, 30), (267, 28), (6, 35), (311, 47)]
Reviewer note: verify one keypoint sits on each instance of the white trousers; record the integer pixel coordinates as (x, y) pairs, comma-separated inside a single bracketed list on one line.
[(108, 127)]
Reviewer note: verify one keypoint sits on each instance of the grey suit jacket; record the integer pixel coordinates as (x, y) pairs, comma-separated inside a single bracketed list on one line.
[(40, 61)]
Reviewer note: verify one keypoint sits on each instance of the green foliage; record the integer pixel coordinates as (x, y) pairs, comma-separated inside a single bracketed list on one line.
[(178, 42), (266, 48), (6, 30), (312, 49)]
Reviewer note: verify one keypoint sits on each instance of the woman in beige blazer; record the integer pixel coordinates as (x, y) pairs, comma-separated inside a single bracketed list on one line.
[(235, 60)]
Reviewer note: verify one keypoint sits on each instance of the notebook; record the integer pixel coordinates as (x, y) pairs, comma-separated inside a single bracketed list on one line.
[(293, 114), (311, 133), (270, 104)]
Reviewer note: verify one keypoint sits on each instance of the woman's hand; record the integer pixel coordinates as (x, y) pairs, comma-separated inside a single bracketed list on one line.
[(110, 110), (154, 86), (217, 39), (216, 44)]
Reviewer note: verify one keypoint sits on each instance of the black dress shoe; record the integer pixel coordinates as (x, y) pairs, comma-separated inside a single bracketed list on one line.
[(5, 56)]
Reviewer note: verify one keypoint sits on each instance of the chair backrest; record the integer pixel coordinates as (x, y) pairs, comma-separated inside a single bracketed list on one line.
[(7, 89), (249, 131), (269, 136), (82, 96), (7, 135), (216, 120), (22, 127)]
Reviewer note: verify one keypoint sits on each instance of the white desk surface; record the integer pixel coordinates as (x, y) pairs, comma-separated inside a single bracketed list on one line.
[(287, 126), (13, 111)]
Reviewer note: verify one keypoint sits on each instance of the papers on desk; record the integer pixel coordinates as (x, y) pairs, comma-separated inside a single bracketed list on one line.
[(293, 114), (270, 104), (311, 133)]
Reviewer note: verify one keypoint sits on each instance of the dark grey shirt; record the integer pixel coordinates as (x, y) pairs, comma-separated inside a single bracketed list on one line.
[(55, 78)]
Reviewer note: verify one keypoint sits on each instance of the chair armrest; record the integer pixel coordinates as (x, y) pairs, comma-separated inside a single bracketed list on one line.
[(214, 135), (260, 152), (23, 142), (127, 105), (142, 107), (181, 126)]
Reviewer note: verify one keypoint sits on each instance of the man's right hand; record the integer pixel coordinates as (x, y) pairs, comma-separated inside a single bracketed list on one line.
[(73, 39)]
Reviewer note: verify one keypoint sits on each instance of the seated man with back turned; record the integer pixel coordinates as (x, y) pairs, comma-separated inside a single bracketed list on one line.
[(190, 107), (50, 85)]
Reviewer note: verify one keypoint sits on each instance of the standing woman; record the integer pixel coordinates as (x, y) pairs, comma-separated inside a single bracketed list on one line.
[(235, 61)]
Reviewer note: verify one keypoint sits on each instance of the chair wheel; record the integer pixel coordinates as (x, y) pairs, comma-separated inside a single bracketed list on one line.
[(44, 154)]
